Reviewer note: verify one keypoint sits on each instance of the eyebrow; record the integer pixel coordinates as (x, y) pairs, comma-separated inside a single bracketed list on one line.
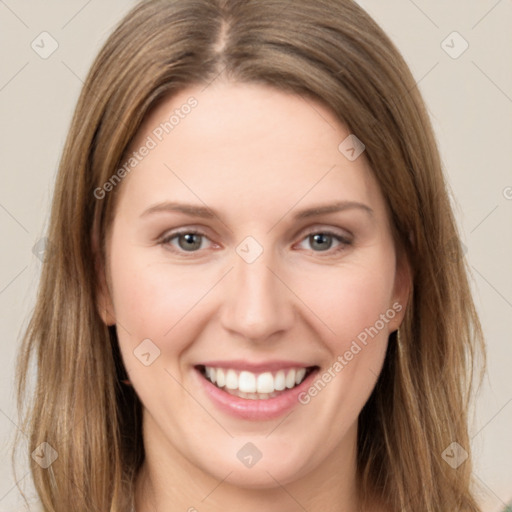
[(208, 213)]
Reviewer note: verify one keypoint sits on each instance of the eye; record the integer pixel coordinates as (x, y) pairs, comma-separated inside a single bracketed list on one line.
[(188, 241), (322, 241), (191, 241)]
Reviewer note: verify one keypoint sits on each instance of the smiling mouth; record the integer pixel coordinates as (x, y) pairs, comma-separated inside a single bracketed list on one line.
[(255, 386)]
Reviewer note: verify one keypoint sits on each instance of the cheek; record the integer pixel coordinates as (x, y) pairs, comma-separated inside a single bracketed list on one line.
[(352, 303), (156, 301), (152, 301), (168, 304), (349, 300)]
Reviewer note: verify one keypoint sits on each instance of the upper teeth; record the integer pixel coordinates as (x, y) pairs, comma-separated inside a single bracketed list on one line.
[(249, 382)]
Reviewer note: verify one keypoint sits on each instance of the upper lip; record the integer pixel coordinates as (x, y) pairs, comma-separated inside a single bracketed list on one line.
[(240, 364)]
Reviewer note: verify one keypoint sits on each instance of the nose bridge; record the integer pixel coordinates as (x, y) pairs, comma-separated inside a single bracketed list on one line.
[(257, 303)]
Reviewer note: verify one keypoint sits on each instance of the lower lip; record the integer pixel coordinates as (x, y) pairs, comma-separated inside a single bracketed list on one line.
[(255, 410)]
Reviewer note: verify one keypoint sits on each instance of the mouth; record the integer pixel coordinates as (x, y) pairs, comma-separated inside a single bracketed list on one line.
[(249, 385)]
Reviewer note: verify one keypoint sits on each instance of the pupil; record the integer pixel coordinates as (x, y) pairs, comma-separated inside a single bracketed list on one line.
[(192, 241), (321, 238)]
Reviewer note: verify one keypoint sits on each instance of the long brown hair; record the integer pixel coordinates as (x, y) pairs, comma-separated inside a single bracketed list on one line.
[(327, 50)]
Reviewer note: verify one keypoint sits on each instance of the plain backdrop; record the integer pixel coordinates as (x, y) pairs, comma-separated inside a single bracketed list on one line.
[(468, 92)]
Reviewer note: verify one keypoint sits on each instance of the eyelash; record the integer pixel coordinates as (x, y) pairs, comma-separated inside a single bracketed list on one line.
[(344, 241)]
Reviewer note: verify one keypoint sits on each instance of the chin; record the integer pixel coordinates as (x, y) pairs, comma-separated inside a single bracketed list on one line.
[(259, 464)]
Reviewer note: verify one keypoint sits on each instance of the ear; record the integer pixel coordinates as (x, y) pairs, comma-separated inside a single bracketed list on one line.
[(401, 290), (104, 302)]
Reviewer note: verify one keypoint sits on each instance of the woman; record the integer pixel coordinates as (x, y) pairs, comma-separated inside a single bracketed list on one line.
[(256, 298)]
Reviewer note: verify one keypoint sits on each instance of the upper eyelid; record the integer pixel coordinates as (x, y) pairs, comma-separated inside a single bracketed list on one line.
[(203, 231), (330, 231)]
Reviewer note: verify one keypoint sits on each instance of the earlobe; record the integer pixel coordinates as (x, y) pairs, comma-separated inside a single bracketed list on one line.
[(104, 303), (402, 290)]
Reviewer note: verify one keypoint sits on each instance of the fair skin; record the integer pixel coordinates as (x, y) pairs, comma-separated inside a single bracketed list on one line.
[(256, 157)]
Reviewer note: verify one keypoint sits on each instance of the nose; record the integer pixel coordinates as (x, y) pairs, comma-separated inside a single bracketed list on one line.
[(258, 303)]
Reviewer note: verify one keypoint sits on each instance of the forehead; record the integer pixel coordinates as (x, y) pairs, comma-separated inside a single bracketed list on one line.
[(245, 143)]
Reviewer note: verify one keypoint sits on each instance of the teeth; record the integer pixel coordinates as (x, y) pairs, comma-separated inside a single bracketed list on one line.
[(246, 382), (280, 380), (290, 379), (221, 377), (255, 386), (211, 374), (265, 383), (231, 380), (299, 377)]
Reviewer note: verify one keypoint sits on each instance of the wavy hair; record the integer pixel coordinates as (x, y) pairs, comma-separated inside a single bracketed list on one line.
[(327, 50)]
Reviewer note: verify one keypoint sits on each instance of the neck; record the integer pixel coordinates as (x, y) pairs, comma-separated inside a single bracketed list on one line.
[(169, 481)]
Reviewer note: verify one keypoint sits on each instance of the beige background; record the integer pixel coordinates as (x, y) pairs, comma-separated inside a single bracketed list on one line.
[(470, 102)]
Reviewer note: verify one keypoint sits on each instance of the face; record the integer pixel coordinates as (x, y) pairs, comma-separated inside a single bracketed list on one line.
[(248, 249)]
